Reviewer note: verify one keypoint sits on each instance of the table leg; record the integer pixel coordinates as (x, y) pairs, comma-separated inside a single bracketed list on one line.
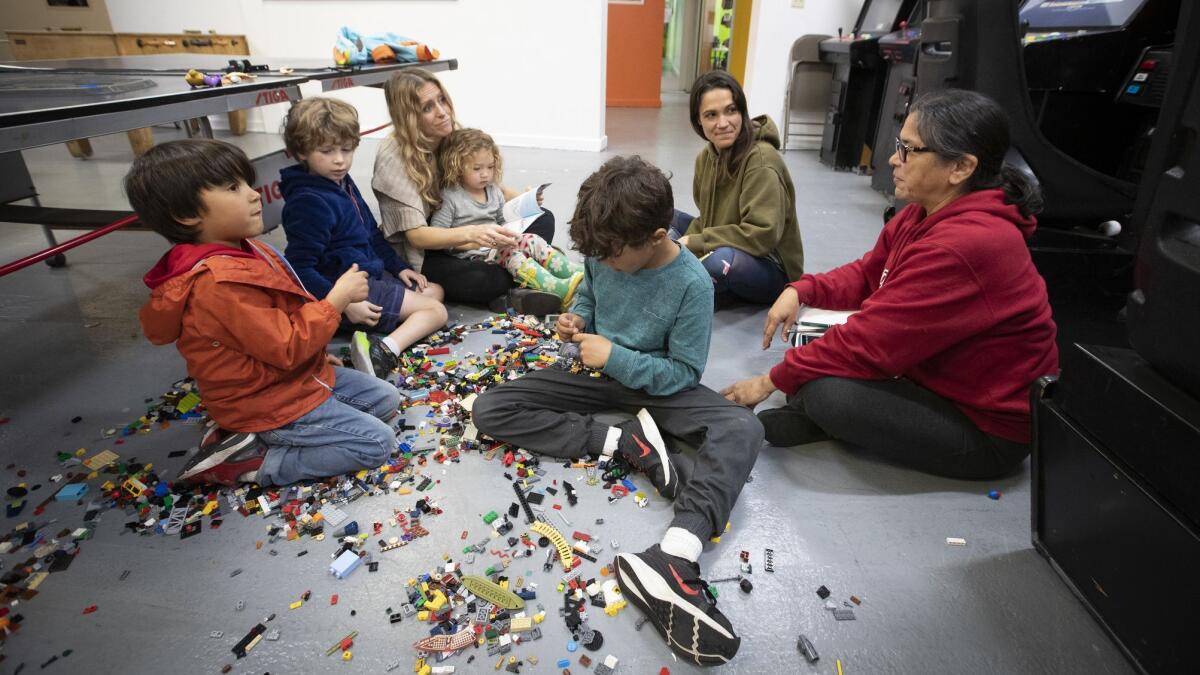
[(80, 148), (237, 122), (141, 140)]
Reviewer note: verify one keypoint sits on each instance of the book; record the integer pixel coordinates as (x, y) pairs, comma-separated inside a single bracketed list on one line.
[(518, 214), (812, 322)]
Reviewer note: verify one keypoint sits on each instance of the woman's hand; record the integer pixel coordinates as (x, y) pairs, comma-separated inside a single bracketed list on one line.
[(363, 313), (490, 235), (750, 392), (782, 315), (413, 279)]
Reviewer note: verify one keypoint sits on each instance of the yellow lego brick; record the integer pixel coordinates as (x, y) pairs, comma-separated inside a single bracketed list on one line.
[(539, 617), (436, 602), (209, 507), (418, 665), (347, 655), (296, 604), (504, 584), (423, 615)]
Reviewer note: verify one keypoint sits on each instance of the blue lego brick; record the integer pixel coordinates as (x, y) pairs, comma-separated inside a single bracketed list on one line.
[(346, 563)]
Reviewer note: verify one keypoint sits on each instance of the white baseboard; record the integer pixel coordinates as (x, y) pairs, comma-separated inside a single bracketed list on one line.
[(553, 142)]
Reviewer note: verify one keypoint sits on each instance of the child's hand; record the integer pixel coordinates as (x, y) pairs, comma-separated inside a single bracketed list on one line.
[(333, 360), (363, 313), (413, 279), (350, 287), (568, 325), (593, 349)]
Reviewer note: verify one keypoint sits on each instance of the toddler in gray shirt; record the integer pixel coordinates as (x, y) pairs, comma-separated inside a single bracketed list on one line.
[(470, 165)]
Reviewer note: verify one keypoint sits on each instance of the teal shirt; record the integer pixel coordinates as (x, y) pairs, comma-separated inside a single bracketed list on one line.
[(659, 321)]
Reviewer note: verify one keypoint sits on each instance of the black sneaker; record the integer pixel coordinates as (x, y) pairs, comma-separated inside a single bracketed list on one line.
[(642, 447), (670, 592), (234, 445), (369, 355), (788, 426), (527, 301)]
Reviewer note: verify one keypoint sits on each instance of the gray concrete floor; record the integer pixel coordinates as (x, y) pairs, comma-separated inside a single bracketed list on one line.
[(834, 515)]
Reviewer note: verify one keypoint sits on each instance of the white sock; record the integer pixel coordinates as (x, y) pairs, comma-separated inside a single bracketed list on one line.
[(249, 477), (681, 544), (610, 442), (391, 345)]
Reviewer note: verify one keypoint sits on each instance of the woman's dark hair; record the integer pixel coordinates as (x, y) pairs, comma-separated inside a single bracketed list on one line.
[(621, 205), (164, 185), (730, 160), (957, 122)]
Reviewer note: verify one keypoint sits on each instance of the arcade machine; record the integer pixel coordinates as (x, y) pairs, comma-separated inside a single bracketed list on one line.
[(1116, 450), (857, 84), (899, 53), (1074, 79)]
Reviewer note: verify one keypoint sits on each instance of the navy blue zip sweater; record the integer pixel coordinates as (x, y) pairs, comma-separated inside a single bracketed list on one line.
[(329, 228)]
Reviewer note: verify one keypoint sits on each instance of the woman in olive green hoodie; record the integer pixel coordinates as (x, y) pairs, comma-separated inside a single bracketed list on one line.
[(746, 234)]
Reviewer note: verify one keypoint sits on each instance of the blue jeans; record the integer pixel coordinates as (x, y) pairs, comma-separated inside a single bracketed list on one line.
[(345, 433), (735, 273)]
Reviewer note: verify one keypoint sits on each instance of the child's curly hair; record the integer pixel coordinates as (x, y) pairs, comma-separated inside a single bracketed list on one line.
[(456, 151), (313, 122), (621, 206)]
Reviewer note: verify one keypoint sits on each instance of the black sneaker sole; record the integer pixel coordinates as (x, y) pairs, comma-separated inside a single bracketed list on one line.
[(200, 463), (687, 626)]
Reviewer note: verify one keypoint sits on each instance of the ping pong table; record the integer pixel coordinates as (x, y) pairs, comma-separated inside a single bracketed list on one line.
[(52, 101)]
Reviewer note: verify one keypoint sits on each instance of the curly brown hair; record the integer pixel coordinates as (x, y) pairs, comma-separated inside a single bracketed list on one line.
[(313, 122), (455, 154), (622, 204)]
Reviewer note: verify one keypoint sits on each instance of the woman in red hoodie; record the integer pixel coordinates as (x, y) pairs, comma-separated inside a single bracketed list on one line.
[(952, 323)]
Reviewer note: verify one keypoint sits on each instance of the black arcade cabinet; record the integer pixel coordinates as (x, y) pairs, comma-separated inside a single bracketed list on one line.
[(1116, 453), (899, 51), (858, 75), (1055, 77)]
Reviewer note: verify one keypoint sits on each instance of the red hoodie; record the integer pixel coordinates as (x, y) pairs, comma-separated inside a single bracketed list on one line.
[(950, 301)]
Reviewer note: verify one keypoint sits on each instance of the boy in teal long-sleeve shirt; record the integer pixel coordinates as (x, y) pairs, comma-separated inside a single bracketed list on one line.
[(643, 316)]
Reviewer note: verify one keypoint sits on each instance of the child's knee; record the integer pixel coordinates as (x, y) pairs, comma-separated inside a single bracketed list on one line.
[(435, 291), (483, 412), (380, 449)]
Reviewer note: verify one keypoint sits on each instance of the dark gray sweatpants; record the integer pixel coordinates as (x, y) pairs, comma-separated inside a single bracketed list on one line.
[(551, 412)]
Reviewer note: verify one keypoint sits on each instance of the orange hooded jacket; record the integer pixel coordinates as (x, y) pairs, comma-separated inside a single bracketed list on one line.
[(252, 337)]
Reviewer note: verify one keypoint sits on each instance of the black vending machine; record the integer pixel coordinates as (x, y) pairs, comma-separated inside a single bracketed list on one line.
[(858, 75)]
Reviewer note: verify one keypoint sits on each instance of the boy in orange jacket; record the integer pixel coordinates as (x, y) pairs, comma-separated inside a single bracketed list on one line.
[(254, 339)]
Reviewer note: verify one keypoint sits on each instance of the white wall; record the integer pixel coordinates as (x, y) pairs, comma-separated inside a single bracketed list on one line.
[(774, 26), (531, 72)]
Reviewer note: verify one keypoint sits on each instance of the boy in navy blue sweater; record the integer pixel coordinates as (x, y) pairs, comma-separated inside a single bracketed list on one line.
[(329, 228)]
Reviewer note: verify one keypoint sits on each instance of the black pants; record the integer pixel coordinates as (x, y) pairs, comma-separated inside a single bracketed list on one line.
[(551, 412), (475, 282), (908, 424)]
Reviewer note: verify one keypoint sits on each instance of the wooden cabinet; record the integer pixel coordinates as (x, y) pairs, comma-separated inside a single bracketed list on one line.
[(30, 45)]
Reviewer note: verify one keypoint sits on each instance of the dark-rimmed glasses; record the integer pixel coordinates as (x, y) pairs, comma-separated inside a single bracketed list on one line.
[(903, 149)]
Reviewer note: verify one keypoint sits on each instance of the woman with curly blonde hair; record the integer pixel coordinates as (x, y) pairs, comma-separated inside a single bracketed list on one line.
[(408, 187)]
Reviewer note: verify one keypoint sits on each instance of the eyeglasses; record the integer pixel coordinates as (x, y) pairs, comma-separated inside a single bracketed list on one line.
[(902, 149)]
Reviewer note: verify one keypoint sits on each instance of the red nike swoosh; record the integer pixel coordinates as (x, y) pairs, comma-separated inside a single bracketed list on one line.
[(645, 448), (683, 586)]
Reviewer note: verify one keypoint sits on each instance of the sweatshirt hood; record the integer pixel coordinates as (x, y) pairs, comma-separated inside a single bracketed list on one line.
[(295, 178), (765, 130), (990, 202), (183, 257)]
